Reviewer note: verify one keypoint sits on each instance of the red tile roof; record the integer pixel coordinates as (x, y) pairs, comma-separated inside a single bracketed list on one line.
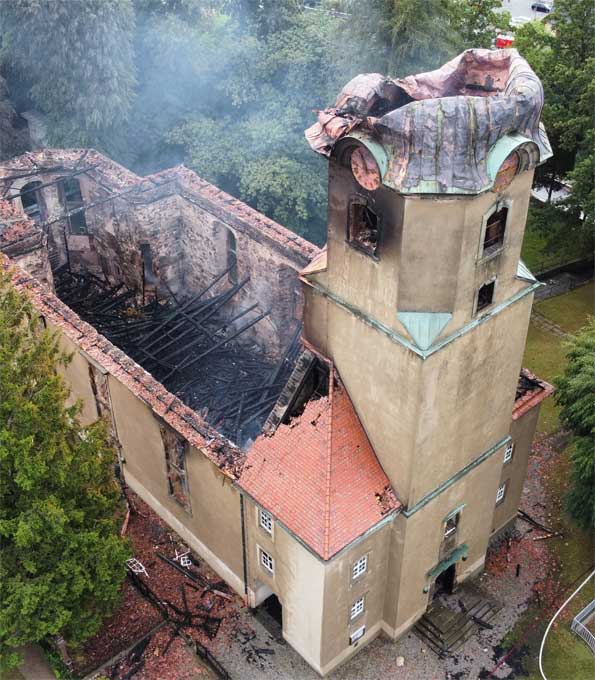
[(530, 396), (319, 475)]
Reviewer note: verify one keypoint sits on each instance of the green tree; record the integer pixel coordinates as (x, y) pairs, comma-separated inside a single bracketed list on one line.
[(563, 56), (477, 22), (62, 557), (576, 397), (82, 76)]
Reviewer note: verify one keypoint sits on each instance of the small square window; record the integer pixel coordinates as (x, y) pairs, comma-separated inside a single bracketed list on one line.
[(485, 295), (508, 452), (360, 567), (267, 561), (501, 493), (266, 521), (357, 608)]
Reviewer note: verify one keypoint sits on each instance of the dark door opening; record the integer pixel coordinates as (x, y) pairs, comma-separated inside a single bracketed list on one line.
[(445, 582), (270, 614)]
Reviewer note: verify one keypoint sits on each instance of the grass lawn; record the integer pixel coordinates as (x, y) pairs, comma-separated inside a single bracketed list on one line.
[(570, 311)]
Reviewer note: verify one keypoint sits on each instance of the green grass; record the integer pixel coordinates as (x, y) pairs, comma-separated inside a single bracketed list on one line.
[(570, 311)]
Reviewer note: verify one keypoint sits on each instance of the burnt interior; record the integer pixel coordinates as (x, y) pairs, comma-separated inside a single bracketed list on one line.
[(363, 232), (193, 346), (525, 385)]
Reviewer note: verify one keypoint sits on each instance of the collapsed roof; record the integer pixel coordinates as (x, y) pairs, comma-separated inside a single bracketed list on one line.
[(445, 131)]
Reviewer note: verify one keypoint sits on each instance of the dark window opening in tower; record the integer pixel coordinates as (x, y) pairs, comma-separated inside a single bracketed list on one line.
[(363, 228), (494, 234), (72, 199), (232, 256), (485, 295), (31, 200)]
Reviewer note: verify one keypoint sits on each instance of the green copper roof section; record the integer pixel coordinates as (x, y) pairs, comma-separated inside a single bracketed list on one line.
[(454, 556), (424, 327), (375, 148), (523, 272), (502, 150)]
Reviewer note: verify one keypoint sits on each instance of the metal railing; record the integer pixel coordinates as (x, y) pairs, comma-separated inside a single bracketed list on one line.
[(578, 627)]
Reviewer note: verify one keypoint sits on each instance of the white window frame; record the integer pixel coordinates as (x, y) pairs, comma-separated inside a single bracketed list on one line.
[(509, 452), (266, 561), (501, 493), (265, 521), (359, 568), (357, 608), (357, 635)]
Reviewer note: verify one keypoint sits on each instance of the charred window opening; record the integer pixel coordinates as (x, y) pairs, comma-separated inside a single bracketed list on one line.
[(72, 199), (149, 277), (232, 256), (175, 461), (314, 385), (494, 233), (31, 200), (485, 295), (363, 229)]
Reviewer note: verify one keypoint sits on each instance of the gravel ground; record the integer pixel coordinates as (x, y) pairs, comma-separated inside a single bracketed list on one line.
[(477, 658)]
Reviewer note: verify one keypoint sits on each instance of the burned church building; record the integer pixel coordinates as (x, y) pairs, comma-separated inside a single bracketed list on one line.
[(337, 431)]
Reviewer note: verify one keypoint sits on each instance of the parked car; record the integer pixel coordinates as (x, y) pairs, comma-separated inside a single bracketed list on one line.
[(542, 7)]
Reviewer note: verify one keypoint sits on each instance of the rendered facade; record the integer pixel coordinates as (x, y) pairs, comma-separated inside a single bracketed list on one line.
[(390, 439)]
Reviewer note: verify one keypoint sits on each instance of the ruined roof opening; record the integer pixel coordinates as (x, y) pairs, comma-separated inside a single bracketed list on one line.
[(194, 286), (195, 346)]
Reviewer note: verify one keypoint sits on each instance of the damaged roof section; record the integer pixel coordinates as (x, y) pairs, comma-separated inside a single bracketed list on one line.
[(228, 457), (319, 476), (531, 391), (445, 131)]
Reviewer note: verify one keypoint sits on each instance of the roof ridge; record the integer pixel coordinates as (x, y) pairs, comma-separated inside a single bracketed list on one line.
[(329, 451)]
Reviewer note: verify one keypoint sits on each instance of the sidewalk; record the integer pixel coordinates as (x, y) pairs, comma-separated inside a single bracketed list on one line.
[(34, 666)]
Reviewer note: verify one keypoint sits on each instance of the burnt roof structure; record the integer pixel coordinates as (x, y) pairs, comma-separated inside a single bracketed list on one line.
[(442, 132)]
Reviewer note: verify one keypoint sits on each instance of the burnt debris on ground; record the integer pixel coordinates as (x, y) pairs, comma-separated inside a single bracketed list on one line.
[(196, 347)]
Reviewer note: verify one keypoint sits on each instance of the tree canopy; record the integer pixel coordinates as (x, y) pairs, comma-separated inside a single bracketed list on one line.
[(62, 556), (576, 397), (82, 75)]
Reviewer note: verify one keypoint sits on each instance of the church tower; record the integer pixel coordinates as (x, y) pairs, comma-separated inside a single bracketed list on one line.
[(422, 302)]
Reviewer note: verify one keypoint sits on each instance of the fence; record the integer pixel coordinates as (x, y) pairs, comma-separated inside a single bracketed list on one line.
[(578, 627)]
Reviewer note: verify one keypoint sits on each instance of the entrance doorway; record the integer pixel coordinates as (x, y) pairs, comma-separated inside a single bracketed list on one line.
[(445, 582), (270, 614)]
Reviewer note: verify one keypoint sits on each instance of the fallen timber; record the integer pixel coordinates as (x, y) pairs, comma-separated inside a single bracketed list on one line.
[(197, 347)]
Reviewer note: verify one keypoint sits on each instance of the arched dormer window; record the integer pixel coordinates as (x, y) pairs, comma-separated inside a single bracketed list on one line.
[(31, 200)]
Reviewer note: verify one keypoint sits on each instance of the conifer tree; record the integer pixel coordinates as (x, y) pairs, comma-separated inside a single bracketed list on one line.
[(62, 556), (576, 396)]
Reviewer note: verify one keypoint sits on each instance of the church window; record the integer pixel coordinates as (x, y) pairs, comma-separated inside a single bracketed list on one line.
[(363, 229)]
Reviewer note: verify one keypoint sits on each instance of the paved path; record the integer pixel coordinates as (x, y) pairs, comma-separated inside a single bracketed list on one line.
[(34, 666), (546, 324)]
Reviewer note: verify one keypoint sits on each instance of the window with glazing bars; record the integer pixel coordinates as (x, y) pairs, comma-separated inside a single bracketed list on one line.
[(501, 493), (508, 452), (360, 567), (357, 608), (266, 561), (266, 521)]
